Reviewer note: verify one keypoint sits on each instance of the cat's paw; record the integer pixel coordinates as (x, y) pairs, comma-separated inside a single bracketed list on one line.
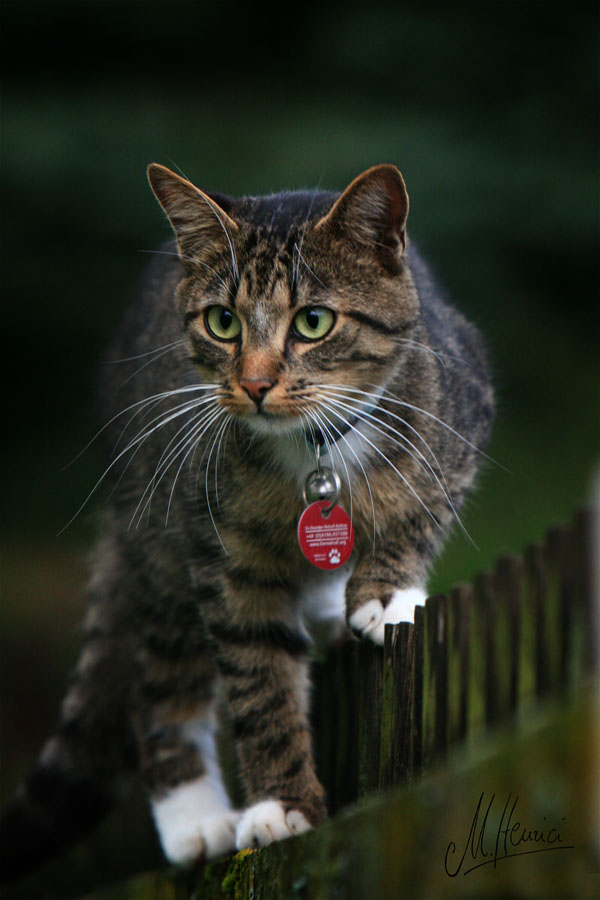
[(204, 839), (266, 822), (194, 822), (370, 619)]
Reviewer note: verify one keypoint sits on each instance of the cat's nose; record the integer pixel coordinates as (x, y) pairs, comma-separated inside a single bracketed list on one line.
[(256, 388)]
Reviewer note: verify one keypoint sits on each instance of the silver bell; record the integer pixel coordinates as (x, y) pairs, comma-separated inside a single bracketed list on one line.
[(323, 484)]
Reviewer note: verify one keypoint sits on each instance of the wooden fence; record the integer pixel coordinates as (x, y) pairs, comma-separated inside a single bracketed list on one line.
[(475, 658), (484, 655)]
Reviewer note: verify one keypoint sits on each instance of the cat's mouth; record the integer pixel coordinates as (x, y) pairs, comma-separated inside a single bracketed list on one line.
[(265, 421), (265, 415), (322, 425)]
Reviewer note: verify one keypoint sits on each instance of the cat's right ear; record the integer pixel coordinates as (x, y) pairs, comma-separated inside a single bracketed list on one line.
[(372, 212), (197, 220)]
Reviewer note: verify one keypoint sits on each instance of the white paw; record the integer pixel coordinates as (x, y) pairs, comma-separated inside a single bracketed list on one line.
[(367, 618), (207, 838), (194, 821), (370, 620), (266, 822)]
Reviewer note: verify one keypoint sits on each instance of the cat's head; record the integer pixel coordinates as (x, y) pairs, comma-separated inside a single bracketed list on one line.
[(285, 297)]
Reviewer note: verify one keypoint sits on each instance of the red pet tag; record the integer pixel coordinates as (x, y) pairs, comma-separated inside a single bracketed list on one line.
[(325, 532), (326, 540)]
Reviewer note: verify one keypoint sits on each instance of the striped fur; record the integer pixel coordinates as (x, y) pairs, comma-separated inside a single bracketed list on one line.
[(199, 589)]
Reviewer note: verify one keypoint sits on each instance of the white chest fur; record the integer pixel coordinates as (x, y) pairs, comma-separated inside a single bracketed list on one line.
[(347, 456), (322, 594)]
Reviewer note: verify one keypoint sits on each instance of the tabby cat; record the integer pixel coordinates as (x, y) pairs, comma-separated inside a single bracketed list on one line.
[(277, 335)]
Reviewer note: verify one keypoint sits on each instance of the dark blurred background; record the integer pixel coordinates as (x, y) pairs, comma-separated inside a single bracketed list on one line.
[(489, 109)]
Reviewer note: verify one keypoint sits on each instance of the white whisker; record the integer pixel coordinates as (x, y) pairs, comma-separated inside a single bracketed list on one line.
[(197, 262), (235, 270), (111, 362), (206, 401), (193, 432), (140, 438), (208, 506), (306, 265), (298, 249), (178, 167), (150, 361), (218, 414), (222, 433), (365, 414), (393, 399), (374, 423), (163, 417), (154, 399), (341, 402), (386, 459), (167, 460), (179, 256), (427, 349), (183, 408), (324, 424), (312, 432), (343, 437)]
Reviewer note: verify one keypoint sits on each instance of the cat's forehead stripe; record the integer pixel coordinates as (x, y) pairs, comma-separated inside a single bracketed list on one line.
[(269, 262), (259, 308), (262, 272), (272, 235)]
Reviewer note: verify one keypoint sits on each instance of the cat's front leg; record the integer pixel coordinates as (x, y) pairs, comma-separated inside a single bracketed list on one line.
[(264, 671), (179, 764), (387, 585)]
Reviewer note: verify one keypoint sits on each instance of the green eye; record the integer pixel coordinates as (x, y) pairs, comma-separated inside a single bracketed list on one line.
[(222, 323), (314, 322)]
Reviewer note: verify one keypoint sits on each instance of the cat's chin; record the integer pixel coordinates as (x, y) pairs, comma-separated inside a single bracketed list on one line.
[(274, 425)]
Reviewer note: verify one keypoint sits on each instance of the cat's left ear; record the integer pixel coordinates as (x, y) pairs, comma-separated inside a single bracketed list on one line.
[(372, 211), (198, 219)]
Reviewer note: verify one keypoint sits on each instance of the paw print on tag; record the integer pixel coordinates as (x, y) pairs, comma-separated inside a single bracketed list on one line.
[(334, 557)]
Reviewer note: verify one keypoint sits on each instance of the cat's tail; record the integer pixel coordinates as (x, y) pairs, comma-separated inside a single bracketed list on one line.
[(50, 811), (71, 787)]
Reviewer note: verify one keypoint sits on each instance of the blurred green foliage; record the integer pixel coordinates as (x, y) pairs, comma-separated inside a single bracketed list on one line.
[(490, 110)]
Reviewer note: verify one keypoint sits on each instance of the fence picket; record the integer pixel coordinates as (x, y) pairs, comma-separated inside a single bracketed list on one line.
[(346, 769), (472, 660), (395, 765), (326, 697), (369, 717), (560, 608), (435, 705), (476, 666), (508, 583), (459, 614), (418, 687), (586, 566), (537, 578)]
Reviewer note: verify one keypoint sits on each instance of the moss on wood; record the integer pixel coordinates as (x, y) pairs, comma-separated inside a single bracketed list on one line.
[(396, 845)]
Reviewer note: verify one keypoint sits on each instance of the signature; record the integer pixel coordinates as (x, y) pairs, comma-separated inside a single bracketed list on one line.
[(487, 845)]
